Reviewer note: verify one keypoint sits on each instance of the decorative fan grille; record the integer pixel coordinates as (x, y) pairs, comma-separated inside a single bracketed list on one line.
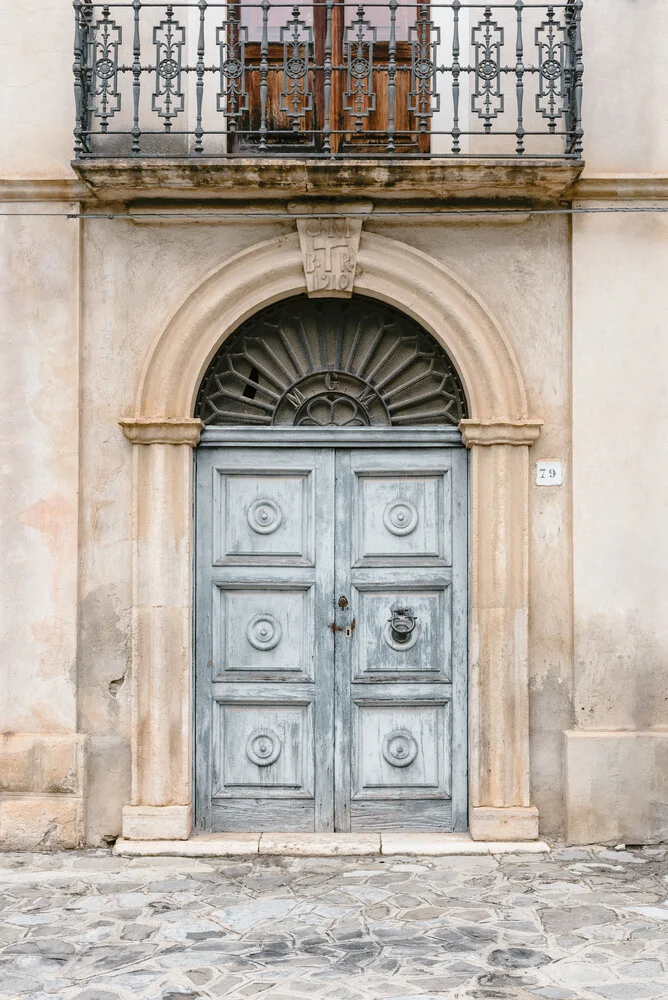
[(331, 362)]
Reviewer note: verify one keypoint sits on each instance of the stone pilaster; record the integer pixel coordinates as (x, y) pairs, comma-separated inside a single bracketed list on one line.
[(162, 658), (500, 807)]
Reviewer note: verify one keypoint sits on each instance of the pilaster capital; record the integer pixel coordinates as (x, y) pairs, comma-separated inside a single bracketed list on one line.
[(162, 430), (490, 432)]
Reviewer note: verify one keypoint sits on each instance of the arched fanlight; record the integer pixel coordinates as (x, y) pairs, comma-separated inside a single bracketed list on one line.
[(331, 362)]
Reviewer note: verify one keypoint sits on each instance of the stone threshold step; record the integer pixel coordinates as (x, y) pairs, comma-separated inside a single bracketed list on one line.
[(304, 845)]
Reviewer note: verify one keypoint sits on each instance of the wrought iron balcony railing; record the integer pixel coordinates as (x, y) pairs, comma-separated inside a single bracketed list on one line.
[(328, 79)]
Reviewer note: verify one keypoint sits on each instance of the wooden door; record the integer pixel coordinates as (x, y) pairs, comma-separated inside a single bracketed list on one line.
[(401, 554), (265, 656), (328, 78), (314, 711)]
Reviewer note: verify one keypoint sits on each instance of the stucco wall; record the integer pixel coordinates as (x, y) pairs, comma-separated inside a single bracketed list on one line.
[(39, 438), (620, 538), (37, 115), (39, 453), (136, 276), (625, 79)]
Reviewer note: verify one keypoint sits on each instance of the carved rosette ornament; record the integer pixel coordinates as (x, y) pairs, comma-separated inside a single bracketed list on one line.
[(264, 516), (264, 631), (401, 517), (400, 748), (263, 747)]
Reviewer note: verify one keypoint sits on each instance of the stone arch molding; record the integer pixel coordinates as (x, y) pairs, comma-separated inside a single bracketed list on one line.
[(499, 433), (386, 269)]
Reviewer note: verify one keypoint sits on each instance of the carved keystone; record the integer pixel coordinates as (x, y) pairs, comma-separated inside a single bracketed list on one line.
[(330, 242)]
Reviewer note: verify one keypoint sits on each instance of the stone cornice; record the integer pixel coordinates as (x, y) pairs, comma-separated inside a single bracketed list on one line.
[(257, 181), (454, 181), (162, 430), (490, 432), (42, 189), (623, 187)]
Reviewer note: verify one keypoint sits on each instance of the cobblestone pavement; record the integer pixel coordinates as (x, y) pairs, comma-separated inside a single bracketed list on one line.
[(574, 924)]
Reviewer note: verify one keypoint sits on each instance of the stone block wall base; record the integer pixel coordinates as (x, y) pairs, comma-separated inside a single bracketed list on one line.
[(156, 822), (41, 822), (42, 763), (491, 823), (616, 787)]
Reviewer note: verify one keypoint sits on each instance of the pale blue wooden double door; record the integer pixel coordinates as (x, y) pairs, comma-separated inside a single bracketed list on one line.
[(331, 637)]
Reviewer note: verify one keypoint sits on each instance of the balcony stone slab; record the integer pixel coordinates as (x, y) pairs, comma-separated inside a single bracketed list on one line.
[(254, 181)]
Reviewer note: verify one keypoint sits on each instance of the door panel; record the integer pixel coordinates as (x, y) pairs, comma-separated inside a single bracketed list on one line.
[(400, 750), (262, 517), (401, 520), (369, 92), (375, 653), (262, 630), (314, 710), (277, 745)]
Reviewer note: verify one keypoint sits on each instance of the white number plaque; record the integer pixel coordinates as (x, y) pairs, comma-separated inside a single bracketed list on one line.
[(549, 474)]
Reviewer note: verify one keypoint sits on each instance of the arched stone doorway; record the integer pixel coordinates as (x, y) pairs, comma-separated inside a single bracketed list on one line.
[(498, 430), (331, 576)]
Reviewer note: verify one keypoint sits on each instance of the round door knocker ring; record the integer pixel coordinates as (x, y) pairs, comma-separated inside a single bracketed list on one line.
[(264, 631), (401, 630), (400, 748), (401, 647), (263, 747), (401, 517), (264, 516)]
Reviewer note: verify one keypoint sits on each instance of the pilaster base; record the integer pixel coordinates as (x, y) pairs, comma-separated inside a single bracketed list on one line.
[(157, 822), (516, 823)]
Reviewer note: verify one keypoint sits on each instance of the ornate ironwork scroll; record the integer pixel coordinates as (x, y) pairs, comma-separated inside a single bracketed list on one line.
[(331, 362), (296, 97), (168, 99), (359, 99), (105, 39), (423, 98), (487, 100), (552, 46), (232, 97)]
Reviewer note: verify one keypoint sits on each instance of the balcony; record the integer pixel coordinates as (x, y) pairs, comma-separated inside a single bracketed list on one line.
[(458, 101)]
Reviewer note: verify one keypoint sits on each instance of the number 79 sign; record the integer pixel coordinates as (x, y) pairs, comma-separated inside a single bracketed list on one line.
[(549, 474)]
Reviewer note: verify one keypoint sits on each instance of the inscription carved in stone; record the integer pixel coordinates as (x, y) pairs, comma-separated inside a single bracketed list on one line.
[(329, 252)]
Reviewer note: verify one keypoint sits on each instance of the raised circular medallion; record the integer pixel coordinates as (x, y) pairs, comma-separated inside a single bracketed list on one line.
[(263, 747), (264, 631), (401, 517), (400, 748), (264, 516)]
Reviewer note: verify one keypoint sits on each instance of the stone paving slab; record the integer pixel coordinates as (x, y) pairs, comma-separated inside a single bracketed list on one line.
[(576, 924)]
